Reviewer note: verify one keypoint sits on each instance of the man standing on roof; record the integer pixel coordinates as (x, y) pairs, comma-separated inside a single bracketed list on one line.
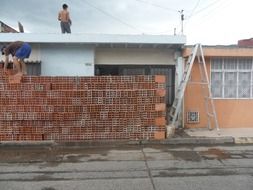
[(66, 22), (19, 51)]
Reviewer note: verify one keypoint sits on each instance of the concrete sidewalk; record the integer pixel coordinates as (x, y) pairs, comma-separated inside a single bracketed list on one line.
[(240, 135)]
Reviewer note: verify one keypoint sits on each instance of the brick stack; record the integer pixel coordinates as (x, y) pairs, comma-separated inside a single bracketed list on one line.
[(82, 108)]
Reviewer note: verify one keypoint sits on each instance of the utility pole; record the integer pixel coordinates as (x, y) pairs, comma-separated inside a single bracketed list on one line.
[(182, 20)]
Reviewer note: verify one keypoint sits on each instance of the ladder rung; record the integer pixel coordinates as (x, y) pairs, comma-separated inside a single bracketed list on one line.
[(172, 109), (174, 106), (171, 115), (208, 97), (210, 114), (191, 82)]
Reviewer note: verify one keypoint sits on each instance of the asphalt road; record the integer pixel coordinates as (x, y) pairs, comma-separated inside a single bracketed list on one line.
[(127, 168)]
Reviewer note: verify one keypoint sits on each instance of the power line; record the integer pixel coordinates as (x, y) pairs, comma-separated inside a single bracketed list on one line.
[(112, 16), (203, 9), (206, 7), (158, 6), (210, 13), (195, 7), (164, 8)]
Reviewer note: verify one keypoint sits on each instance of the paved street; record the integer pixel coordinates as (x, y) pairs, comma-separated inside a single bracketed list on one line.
[(127, 168)]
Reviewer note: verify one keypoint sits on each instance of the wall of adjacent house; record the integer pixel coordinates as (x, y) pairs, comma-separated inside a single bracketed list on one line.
[(63, 59), (135, 56), (66, 60), (194, 98), (231, 113)]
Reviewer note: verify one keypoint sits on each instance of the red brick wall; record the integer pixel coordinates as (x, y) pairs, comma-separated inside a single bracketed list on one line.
[(82, 108)]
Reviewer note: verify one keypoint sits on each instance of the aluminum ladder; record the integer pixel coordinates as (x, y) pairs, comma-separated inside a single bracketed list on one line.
[(209, 104)]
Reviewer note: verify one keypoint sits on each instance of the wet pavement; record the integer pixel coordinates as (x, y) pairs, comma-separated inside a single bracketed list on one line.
[(127, 167)]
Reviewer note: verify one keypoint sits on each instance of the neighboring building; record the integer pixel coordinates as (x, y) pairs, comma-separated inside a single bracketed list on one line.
[(230, 70), (4, 28), (245, 43), (98, 54)]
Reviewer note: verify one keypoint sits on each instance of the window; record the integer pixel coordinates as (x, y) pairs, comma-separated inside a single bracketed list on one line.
[(33, 68), (231, 77)]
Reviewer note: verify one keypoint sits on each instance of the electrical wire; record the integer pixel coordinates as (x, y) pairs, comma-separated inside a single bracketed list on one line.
[(112, 16), (210, 14), (158, 6), (195, 7), (201, 10), (194, 12), (206, 7)]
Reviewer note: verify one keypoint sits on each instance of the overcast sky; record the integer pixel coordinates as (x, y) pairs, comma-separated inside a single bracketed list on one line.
[(208, 22)]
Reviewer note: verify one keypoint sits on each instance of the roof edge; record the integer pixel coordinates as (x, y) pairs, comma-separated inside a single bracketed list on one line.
[(93, 38)]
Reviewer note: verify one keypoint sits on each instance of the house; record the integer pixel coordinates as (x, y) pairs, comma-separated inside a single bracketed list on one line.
[(245, 42), (230, 70), (104, 54), (91, 108), (4, 28)]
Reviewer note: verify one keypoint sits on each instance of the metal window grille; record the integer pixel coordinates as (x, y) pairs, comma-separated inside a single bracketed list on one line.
[(192, 117), (244, 85), (217, 89), (232, 77)]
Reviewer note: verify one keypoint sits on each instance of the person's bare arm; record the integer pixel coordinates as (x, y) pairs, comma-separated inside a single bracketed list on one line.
[(59, 16), (68, 18)]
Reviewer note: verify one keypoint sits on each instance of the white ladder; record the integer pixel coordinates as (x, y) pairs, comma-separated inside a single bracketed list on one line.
[(176, 106)]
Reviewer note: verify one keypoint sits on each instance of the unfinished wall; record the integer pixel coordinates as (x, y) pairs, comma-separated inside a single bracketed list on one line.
[(82, 108)]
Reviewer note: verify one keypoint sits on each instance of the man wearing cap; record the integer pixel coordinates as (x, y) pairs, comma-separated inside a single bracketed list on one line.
[(19, 51)]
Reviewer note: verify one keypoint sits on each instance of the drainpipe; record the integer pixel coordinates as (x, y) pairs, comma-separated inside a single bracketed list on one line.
[(179, 72), (179, 68)]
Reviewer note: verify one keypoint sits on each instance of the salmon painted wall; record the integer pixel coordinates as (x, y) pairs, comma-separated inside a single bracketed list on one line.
[(194, 97), (231, 113)]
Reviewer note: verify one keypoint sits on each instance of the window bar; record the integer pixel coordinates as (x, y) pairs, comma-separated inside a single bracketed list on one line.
[(237, 78), (251, 72), (223, 78)]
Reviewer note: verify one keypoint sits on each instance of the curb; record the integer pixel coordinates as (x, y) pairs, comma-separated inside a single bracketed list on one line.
[(118, 143), (194, 141), (26, 143), (243, 140)]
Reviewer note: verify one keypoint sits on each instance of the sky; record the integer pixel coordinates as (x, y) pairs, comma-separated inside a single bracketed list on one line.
[(210, 22)]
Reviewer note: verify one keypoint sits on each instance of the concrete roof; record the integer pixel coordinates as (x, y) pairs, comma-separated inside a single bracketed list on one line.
[(94, 38), (222, 51)]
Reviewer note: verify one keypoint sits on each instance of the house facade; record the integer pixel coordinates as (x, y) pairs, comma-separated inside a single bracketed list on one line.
[(230, 70), (101, 54)]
